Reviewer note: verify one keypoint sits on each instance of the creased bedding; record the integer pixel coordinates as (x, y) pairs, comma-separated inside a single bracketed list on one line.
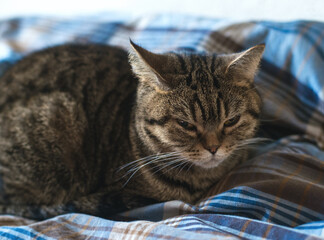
[(277, 194)]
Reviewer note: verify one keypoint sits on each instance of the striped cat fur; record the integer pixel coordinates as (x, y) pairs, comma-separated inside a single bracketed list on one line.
[(93, 129)]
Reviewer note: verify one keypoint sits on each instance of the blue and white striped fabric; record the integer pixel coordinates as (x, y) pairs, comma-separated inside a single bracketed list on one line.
[(277, 194)]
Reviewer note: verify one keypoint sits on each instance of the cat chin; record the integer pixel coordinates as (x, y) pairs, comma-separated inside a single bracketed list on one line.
[(209, 163)]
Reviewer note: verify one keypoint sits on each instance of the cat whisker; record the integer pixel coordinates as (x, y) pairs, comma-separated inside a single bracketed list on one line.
[(191, 164), (136, 161), (250, 144), (150, 162), (157, 160), (135, 171), (136, 168), (182, 163), (181, 160), (167, 164), (186, 163), (253, 141), (148, 158)]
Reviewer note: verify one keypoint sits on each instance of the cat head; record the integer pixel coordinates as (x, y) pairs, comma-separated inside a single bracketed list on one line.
[(203, 107)]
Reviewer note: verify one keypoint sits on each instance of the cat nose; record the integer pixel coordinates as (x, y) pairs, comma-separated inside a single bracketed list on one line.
[(212, 149)]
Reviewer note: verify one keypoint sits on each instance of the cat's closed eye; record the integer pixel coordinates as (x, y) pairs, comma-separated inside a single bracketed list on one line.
[(232, 121), (186, 125)]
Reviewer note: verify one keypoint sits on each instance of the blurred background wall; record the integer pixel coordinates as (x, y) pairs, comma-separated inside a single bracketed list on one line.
[(281, 10)]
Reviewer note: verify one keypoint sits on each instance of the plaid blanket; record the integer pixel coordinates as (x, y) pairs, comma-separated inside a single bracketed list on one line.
[(277, 194)]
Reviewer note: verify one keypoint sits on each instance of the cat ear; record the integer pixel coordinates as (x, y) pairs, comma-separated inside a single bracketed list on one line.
[(151, 67), (243, 66)]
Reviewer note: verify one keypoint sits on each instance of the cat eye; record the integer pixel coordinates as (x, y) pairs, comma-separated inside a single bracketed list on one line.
[(186, 125), (231, 122)]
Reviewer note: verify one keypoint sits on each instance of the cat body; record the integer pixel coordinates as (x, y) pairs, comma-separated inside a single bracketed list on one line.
[(81, 132)]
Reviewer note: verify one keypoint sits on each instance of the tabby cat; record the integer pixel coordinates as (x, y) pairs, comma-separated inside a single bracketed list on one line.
[(91, 129)]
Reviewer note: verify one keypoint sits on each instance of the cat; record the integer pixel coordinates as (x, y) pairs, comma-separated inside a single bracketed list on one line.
[(93, 129)]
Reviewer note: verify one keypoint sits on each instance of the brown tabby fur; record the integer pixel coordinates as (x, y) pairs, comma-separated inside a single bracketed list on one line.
[(80, 133)]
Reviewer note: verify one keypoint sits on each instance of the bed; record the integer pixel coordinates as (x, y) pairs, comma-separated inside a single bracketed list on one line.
[(277, 194)]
